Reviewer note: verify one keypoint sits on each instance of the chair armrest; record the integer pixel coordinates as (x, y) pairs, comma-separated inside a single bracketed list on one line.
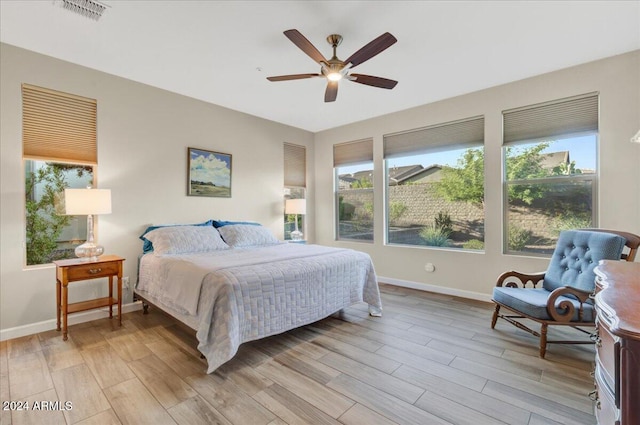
[(567, 307), (510, 279)]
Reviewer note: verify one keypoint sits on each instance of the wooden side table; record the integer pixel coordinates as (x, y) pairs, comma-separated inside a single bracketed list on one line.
[(76, 269)]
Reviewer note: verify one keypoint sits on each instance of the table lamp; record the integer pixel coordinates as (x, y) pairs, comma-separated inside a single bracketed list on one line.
[(296, 206), (88, 202)]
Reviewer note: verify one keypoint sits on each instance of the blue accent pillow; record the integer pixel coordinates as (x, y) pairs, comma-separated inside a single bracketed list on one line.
[(221, 223), (148, 245)]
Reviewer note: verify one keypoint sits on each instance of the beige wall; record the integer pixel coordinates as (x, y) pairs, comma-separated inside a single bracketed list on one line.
[(617, 79), (143, 135)]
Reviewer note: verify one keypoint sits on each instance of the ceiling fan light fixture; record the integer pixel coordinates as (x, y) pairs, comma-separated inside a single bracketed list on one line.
[(335, 69)]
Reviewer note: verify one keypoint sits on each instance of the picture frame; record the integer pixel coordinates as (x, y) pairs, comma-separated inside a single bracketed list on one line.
[(208, 173)]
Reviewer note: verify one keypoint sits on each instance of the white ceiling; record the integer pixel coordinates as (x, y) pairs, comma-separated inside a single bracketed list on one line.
[(222, 51)]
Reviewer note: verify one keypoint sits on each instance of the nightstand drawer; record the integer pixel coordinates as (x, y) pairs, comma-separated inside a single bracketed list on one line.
[(92, 271)]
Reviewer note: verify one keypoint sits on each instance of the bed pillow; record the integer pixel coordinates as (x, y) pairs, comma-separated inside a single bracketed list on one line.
[(185, 240), (148, 246), (243, 235), (222, 223)]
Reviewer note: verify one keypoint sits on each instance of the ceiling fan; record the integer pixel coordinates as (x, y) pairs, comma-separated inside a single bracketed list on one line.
[(334, 69)]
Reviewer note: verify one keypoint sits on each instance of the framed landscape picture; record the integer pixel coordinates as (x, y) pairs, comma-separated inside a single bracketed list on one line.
[(209, 173)]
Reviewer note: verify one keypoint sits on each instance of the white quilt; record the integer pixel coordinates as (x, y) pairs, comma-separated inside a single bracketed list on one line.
[(244, 294)]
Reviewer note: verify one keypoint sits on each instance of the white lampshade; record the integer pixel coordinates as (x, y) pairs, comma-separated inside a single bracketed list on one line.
[(295, 206), (87, 201)]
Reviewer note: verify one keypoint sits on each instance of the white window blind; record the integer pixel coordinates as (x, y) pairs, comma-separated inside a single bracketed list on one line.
[(457, 134), (351, 153), (549, 120), (295, 165), (58, 126)]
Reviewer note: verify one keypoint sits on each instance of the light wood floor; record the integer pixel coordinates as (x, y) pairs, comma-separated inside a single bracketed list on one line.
[(430, 359)]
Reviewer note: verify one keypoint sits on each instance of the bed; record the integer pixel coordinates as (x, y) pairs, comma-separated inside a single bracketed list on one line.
[(235, 282)]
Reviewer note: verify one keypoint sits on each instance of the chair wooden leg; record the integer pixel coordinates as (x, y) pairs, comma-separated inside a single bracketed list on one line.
[(494, 319), (543, 340)]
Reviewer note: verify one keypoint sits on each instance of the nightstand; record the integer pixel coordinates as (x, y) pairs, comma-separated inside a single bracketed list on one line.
[(77, 269)]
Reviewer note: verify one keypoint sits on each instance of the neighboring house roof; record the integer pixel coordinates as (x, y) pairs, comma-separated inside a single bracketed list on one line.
[(417, 173), (397, 175), (431, 173), (361, 175), (553, 159), (400, 173)]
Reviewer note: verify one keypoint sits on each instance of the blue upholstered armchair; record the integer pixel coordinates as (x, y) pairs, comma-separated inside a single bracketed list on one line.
[(562, 294)]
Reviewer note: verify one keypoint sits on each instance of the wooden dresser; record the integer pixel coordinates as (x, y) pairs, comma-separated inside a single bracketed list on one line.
[(617, 370)]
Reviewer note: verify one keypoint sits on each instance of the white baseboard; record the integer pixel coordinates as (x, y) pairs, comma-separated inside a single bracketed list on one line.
[(437, 289), (88, 316), (72, 319)]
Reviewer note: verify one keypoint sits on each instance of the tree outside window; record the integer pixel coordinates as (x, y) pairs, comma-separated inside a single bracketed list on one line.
[(550, 186), (51, 235)]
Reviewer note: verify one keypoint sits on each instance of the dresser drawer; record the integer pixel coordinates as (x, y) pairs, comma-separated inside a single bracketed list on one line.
[(92, 271), (604, 408), (607, 354)]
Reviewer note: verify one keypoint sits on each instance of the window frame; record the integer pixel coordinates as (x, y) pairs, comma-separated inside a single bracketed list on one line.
[(554, 120), (466, 133), (57, 128), (295, 179), (349, 154)]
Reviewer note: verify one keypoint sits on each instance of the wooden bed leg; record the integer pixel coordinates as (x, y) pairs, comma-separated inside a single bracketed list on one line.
[(145, 308)]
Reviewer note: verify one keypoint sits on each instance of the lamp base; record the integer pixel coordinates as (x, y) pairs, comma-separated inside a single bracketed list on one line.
[(296, 235), (89, 251)]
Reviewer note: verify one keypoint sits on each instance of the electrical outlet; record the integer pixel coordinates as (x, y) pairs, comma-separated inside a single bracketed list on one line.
[(125, 283)]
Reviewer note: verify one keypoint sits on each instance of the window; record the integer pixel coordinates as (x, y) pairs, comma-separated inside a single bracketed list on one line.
[(435, 186), (353, 168), (59, 151), (295, 182), (550, 169)]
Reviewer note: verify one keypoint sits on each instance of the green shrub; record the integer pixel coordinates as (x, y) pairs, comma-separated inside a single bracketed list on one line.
[(365, 212), (345, 209), (396, 210), (518, 238), (434, 236), (473, 244), (443, 222), (570, 222)]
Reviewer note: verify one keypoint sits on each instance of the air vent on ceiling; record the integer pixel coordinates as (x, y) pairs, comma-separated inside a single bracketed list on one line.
[(89, 8)]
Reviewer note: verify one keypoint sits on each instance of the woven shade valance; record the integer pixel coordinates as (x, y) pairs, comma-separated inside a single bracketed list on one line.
[(551, 119), (58, 126), (295, 165), (458, 134), (351, 153)]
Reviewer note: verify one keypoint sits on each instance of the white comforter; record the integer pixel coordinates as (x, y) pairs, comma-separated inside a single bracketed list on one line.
[(243, 294)]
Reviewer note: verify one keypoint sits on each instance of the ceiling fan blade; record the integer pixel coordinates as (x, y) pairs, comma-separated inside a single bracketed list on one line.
[(331, 92), (304, 45), (370, 50), (369, 80), (292, 77)]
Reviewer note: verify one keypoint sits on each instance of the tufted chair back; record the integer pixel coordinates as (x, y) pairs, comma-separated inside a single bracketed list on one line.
[(577, 253)]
